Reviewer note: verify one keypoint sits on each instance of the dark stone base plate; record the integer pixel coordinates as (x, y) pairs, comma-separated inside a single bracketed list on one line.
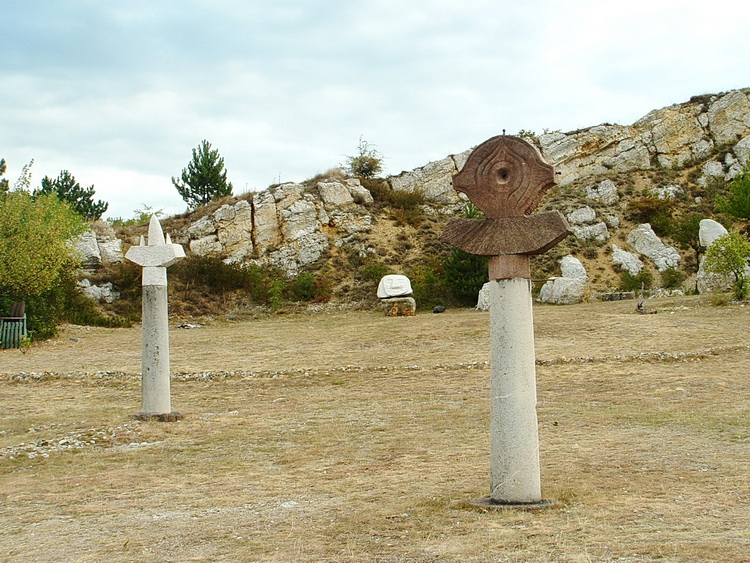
[(167, 417), (489, 504)]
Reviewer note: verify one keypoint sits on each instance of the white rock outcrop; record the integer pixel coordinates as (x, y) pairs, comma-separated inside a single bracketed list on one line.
[(644, 241), (570, 287), (627, 260), (709, 230)]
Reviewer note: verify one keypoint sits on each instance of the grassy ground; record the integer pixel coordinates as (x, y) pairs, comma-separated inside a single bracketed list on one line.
[(352, 437)]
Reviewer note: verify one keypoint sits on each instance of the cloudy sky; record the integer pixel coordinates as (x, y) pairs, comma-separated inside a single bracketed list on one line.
[(119, 92)]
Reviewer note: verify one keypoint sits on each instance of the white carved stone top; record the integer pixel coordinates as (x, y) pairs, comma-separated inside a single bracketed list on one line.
[(394, 285), (156, 256)]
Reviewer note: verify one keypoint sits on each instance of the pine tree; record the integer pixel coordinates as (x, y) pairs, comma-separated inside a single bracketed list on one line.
[(81, 200), (204, 179)]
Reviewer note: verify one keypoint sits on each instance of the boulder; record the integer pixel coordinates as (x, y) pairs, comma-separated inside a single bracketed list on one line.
[(604, 192), (626, 260), (399, 306), (568, 289), (87, 248), (394, 285), (483, 299), (644, 240), (104, 293), (597, 232), (668, 193), (581, 216), (709, 231), (335, 194), (359, 193), (434, 179)]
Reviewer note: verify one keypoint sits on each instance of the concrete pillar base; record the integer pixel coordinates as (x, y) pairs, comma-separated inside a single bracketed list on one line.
[(489, 504), (167, 417)]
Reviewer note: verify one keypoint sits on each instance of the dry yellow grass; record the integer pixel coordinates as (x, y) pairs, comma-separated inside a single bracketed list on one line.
[(352, 437)]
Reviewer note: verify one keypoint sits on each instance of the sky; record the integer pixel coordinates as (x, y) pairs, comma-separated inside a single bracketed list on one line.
[(120, 92)]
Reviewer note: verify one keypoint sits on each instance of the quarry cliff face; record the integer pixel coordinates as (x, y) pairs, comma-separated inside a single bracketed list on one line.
[(679, 154)]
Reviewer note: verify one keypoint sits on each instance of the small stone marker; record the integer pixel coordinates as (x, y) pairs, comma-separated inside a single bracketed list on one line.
[(506, 177), (155, 258)]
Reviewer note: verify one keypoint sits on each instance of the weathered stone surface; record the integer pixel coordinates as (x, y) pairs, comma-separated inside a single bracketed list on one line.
[(335, 194), (674, 134), (202, 227), (710, 283), (709, 230), (105, 293), (87, 248), (394, 285), (562, 291), (626, 260), (266, 221), (434, 179), (668, 193), (483, 299), (568, 289), (645, 241), (729, 116), (398, 306), (359, 193), (742, 151), (604, 192), (571, 267), (581, 216), (207, 245), (597, 231)]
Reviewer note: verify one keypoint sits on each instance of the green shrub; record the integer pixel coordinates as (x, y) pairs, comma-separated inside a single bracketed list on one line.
[(672, 278), (656, 212), (429, 286), (465, 274), (630, 282)]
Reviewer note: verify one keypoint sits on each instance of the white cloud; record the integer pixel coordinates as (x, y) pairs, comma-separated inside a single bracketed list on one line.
[(119, 94)]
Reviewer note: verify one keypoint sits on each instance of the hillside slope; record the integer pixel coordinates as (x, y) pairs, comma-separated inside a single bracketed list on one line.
[(611, 178)]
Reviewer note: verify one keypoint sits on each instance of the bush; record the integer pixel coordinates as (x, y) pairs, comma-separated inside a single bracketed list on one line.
[(657, 212), (630, 282), (429, 286), (465, 274), (672, 278)]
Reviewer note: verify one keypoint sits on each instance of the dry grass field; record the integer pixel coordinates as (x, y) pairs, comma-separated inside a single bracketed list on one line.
[(348, 436)]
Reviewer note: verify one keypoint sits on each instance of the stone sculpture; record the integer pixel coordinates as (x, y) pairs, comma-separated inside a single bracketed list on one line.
[(155, 258), (506, 177)]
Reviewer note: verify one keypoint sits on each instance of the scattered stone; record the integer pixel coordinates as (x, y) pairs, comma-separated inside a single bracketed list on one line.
[(104, 293), (668, 193), (438, 309)]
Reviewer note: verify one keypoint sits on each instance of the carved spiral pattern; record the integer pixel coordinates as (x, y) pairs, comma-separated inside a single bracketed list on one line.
[(505, 177)]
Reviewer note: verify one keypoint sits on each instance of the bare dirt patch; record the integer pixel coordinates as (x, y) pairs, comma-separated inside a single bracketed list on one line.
[(352, 437)]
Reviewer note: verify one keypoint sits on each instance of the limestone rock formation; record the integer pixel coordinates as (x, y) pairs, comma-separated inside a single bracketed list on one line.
[(709, 231), (627, 260), (644, 240), (570, 287)]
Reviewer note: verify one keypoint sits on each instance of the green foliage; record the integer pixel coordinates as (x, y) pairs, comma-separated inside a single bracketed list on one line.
[(34, 247), (737, 201), (685, 234), (80, 200), (429, 285), (24, 180), (204, 179), (4, 187), (141, 216), (656, 212), (465, 274), (729, 255), (407, 206), (630, 282), (367, 163), (672, 278)]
